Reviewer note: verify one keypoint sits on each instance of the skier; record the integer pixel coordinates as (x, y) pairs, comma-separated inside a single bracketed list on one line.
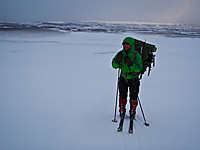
[(130, 63)]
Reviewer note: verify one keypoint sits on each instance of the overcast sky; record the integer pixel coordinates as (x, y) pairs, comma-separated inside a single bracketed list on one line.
[(160, 11)]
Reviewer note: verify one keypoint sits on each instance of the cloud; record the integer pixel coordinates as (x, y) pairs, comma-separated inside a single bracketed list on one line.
[(181, 12), (185, 11)]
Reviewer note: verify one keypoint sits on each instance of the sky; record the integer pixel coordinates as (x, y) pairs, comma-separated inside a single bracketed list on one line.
[(157, 11)]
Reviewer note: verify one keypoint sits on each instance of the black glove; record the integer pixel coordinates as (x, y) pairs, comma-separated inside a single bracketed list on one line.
[(119, 58), (128, 61)]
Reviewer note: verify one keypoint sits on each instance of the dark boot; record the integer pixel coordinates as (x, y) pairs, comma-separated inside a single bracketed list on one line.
[(122, 107), (133, 105)]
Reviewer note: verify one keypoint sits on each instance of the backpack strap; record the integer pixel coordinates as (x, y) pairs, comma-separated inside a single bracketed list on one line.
[(134, 54), (130, 73)]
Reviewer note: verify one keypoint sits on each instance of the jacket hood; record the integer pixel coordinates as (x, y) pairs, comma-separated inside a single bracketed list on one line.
[(129, 40)]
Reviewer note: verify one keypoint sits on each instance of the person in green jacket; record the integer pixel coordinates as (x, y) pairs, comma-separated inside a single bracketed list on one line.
[(130, 63)]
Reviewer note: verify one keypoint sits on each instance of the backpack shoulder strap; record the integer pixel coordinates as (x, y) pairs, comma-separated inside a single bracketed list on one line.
[(134, 54)]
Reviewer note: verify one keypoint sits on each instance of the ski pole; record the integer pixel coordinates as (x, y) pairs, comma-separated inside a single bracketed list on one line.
[(115, 120), (145, 122)]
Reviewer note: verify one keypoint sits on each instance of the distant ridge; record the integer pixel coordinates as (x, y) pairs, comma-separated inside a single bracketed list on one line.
[(167, 30)]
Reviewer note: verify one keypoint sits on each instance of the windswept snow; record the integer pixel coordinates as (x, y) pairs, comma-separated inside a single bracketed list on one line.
[(58, 93)]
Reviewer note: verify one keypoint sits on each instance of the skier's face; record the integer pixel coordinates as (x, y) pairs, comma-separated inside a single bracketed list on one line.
[(126, 46)]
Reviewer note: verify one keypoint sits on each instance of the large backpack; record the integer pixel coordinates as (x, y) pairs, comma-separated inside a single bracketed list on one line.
[(146, 51)]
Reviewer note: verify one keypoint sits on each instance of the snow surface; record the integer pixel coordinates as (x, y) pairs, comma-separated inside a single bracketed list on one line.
[(58, 93)]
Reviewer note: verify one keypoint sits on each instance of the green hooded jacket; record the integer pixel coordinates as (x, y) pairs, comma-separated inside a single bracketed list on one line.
[(137, 62)]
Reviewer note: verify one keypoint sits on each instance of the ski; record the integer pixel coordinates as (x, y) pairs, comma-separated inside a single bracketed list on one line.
[(121, 124), (120, 127), (131, 126)]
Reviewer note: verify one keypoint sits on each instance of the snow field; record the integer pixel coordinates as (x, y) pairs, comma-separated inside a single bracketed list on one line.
[(58, 92)]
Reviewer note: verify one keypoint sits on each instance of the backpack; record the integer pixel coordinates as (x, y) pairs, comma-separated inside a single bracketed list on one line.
[(146, 51)]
